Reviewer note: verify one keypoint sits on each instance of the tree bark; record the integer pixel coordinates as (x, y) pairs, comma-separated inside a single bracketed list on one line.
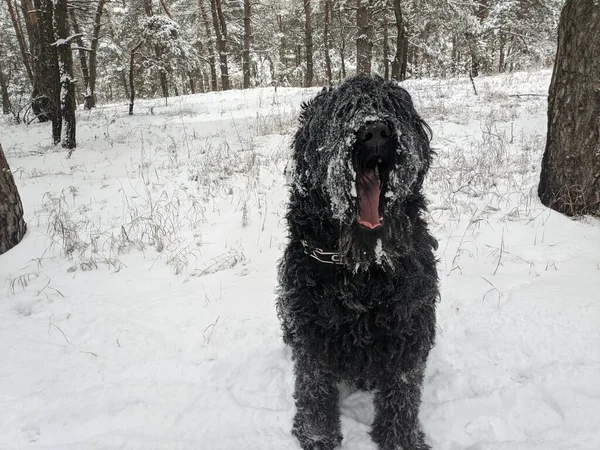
[(570, 176), (308, 43), (247, 42), (210, 48), (482, 12), (401, 56), (221, 34), (66, 79), (6, 106), (363, 41), (83, 58), (386, 49), (20, 39), (327, 39), (132, 75), (90, 94), (282, 67), (164, 85), (12, 224), (342, 47), (47, 98)]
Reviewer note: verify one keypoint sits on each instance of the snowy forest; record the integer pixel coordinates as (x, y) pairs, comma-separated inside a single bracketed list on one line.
[(147, 158), (166, 48)]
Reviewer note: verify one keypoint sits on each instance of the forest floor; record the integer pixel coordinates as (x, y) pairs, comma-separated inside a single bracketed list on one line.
[(138, 312)]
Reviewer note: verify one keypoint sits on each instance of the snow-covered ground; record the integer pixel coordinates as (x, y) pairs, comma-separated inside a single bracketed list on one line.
[(138, 312)]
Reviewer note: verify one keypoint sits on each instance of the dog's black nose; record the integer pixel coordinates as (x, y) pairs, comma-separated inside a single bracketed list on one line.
[(374, 135)]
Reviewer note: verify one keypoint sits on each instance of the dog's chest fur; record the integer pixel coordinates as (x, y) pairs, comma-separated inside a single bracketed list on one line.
[(344, 318)]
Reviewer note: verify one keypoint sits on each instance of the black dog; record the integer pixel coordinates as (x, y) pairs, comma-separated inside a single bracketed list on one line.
[(358, 280)]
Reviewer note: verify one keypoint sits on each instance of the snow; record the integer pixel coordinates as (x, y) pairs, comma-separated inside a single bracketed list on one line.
[(138, 312)]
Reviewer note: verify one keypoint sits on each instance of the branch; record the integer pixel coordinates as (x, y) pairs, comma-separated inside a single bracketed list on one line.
[(67, 41)]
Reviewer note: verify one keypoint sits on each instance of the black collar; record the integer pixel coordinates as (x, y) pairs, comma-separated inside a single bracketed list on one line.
[(322, 256)]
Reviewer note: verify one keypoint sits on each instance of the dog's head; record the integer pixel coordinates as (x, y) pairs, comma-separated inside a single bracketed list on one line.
[(362, 151)]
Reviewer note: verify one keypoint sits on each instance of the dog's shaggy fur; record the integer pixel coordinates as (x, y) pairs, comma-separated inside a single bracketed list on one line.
[(368, 320)]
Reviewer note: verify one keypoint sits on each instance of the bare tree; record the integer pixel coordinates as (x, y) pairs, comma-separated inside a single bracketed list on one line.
[(48, 95), (83, 57), (247, 42), (25, 55), (210, 46), (308, 43), (6, 107), (327, 40), (161, 73), (363, 40), (399, 64), (220, 27), (570, 177), (386, 47), (65, 67), (12, 225)]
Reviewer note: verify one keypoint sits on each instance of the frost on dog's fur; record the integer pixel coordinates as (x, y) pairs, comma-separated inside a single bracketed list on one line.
[(369, 320)]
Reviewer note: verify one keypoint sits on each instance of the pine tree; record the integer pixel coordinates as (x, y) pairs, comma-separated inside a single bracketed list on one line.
[(570, 177)]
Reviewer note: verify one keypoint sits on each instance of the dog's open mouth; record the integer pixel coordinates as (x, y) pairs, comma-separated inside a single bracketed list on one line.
[(369, 187)]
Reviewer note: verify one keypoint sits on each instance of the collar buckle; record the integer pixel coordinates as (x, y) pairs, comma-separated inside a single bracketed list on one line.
[(320, 255)]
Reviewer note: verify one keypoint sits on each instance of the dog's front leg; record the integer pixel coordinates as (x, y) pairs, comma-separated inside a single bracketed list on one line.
[(398, 398), (317, 423)]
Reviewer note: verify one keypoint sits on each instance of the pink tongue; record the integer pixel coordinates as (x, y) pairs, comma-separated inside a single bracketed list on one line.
[(369, 190)]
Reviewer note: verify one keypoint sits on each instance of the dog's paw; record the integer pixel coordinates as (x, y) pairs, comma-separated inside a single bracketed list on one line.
[(317, 442), (392, 441)]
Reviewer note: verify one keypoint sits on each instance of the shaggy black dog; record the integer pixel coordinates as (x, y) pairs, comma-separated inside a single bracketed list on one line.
[(358, 280)]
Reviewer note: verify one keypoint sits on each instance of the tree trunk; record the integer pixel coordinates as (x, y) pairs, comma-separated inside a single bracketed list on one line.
[(308, 43), (6, 107), (281, 69), (342, 46), (221, 33), (400, 58), (327, 39), (48, 96), (131, 76), (164, 85), (247, 41), (67, 81), (502, 56), (20, 39), (570, 176), (12, 225), (210, 47), (82, 58), (90, 93), (386, 49), (481, 13), (363, 47)]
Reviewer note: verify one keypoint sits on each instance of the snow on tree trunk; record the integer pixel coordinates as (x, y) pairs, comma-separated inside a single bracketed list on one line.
[(570, 176), (65, 65), (12, 225)]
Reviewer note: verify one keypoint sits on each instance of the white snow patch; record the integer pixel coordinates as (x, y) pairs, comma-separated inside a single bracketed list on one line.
[(121, 352)]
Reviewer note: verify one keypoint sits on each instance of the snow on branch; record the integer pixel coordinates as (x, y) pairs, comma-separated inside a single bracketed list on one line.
[(67, 41)]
